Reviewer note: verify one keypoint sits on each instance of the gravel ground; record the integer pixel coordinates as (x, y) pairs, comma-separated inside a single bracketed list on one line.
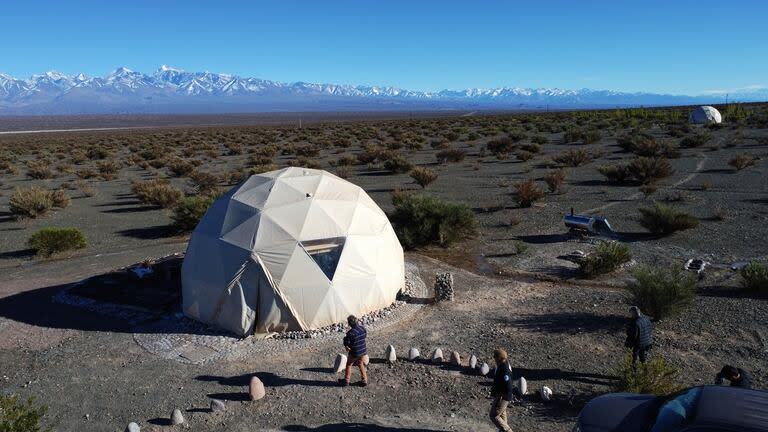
[(566, 337)]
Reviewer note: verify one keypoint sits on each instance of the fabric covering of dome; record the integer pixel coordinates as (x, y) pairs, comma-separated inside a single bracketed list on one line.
[(705, 115), (293, 249)]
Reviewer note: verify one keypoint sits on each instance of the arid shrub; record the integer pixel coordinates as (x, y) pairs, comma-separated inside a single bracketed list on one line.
[(346, 159), (661, 291), (741, 161), (573, 158), (422, 220), (188, 212), (108, 169), (649, 169), (501, 147), (257, 169), (203, 182), (654, 377), (39, 170), (523, 155), (309, 151), (86, 173), (755, 277), (49, 241), (555, 179), (614, 173), (18, 416), (344, 171), (398, 165), (179, 167), (607, 257), (157, 192), (531, 148), (584, 136), (305, 162), (696, 140), (451, 155), (648, 189), (423, 176), (60, 199), (527, 192), (30, 202), (539, 139), (662, 219)]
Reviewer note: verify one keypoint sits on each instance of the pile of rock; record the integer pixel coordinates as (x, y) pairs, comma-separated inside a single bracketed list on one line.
[(366, 319), (444, 287)]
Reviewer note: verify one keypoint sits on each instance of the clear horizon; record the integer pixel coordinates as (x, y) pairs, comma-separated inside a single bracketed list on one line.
[(690, 48)]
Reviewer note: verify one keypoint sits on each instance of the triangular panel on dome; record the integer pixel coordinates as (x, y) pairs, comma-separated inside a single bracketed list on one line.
[(255, 196), (305, 185), (243, 235), (290, 217), (326, 253), (341, 212), (367, 222), (305, 286), (236, 213), (283, 194), (321, 223), (335, 189)]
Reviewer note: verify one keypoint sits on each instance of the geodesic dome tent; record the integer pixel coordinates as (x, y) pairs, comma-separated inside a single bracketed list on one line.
[(292, 249), (705, 115)]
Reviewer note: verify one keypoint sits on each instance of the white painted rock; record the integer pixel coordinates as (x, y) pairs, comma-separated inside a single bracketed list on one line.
[(546, 393), (256, 389), (485, 369), (340, 363), (413, 354), (217, 405), (522, 386), (176, 417), (473, 362), (391, 354), (456, 358), (437, 356), (132, 427)]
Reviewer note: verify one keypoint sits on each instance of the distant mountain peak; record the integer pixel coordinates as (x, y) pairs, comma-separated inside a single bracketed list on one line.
[(171, 89)]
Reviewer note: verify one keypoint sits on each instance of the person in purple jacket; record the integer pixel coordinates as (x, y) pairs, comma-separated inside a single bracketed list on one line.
[(357, 354)]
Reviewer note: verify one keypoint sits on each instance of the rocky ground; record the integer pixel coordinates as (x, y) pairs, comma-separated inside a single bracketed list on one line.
[(90, 371), (98, 371)]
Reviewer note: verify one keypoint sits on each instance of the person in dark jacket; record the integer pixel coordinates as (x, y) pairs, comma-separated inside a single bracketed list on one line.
[(357, 353), (639, 335), (501, 392), (737, 376)]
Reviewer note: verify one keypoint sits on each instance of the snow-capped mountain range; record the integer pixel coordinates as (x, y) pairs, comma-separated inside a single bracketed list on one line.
[(171, 90)]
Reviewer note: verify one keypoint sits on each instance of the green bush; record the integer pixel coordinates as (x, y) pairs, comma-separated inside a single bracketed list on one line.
[(755, 277), (607, 257), (421, 220), (661, 292), (662, 219), (615, 173), (188, 212), (17, 416), (654, 377), (49, 241)]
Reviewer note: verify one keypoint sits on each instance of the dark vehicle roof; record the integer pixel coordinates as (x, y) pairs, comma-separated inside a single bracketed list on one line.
[(733, 406)]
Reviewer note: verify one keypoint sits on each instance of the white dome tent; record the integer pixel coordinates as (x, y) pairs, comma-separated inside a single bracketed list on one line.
[(705, 115), (293, 249)]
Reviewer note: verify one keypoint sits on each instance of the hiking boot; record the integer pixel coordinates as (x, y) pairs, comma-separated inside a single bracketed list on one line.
[(343, 382), (362, 384)]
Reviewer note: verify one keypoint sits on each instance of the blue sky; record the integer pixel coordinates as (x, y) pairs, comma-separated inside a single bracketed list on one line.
[(672, 46)]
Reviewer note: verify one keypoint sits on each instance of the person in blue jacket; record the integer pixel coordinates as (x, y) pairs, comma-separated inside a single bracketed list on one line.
[(501, 392), (357, 353)]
